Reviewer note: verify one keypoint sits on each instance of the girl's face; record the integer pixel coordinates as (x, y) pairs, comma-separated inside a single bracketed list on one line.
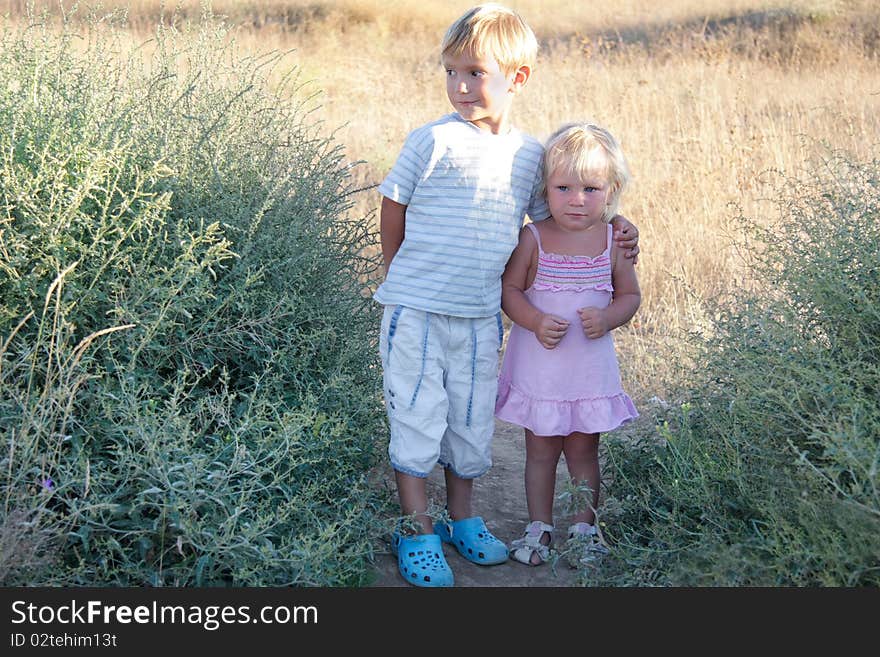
[(576, 202)]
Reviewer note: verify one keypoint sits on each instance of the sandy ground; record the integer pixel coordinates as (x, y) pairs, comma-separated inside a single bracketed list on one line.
[(499, 497)]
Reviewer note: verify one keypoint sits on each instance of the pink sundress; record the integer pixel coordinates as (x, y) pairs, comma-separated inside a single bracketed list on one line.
[(576, 386)]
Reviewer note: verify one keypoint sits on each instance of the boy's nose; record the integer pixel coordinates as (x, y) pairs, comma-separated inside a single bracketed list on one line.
[(462, 87)]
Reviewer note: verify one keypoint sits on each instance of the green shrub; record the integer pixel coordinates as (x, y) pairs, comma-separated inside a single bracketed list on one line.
[(766, 471), (188, 365)]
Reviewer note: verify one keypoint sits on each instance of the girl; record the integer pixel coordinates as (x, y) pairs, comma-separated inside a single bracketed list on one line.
[(566, 286)]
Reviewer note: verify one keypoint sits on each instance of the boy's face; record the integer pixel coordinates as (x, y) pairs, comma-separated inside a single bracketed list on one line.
[(480, 91), (576, 202)]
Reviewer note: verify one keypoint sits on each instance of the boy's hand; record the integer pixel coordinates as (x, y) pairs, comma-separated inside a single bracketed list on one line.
[(550, 330), (593, 322), (626, 235)]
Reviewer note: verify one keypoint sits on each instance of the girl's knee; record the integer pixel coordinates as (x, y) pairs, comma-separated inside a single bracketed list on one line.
[(582, 447), (543, 449)]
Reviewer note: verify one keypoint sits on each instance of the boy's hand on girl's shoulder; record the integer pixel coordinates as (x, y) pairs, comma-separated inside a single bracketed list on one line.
[(550, 330), (626, 236), (593, 322)]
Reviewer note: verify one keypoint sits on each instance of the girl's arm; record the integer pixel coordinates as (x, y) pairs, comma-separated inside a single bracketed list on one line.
[(549, 329), (627, 297), (392, 221)]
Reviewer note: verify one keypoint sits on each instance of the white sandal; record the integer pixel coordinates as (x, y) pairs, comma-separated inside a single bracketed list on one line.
[(588, 543), (523, 549)]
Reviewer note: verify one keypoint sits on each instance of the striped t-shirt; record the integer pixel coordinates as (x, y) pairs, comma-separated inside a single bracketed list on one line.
[(467, 192)]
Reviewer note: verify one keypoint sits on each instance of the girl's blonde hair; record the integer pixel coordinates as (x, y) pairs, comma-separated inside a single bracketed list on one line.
[(492, 30), (588, 150)]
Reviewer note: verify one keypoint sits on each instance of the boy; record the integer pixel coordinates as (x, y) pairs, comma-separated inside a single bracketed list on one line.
[(460, 188)]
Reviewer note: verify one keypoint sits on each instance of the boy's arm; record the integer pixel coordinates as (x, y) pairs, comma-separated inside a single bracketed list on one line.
[(392, 221), (549, 329), (626, 236), (596, 322)]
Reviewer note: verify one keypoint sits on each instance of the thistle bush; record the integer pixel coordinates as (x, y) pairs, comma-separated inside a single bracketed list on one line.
[(188, 377), (766, 470)]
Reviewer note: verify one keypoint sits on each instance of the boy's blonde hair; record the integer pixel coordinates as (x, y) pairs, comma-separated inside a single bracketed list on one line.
[(492, 30), (588, 150)]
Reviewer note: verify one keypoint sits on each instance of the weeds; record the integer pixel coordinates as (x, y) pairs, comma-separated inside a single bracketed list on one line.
[(765, 473), (193, 400)]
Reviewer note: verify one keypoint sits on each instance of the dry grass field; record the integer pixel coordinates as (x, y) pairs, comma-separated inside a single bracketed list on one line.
[(707, 96)]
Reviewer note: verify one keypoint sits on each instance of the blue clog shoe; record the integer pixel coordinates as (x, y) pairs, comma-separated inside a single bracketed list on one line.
[(473, 540), (420, 560)]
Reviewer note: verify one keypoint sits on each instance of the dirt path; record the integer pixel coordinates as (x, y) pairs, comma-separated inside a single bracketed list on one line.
[(500, 498)]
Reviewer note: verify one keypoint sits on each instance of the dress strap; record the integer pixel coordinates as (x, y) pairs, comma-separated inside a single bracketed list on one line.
[(537, 235), (608, 241)]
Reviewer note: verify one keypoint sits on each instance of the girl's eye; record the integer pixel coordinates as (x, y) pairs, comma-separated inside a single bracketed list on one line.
[(562, 188), (591, 189)]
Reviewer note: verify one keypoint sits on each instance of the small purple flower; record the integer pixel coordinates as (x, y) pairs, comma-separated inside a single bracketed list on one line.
[(48, 484)]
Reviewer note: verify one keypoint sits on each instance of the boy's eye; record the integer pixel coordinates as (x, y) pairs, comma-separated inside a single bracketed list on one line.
[(449, 71), (478, 74)]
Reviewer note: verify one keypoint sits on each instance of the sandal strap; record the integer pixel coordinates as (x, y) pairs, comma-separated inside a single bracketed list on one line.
[(538, 527), (531, 539), (531, 542), (582, 529), (523, 554), (532, 535)]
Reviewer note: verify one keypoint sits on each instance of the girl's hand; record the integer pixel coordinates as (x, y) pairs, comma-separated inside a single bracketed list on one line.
[(550, 330), (594, 322)]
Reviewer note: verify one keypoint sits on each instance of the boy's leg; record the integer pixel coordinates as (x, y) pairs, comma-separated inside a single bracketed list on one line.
[(467, 532), (471, 387), (420, 557), (413, 495), (415, 402), (459, 493), (466, 450), (582, 456)]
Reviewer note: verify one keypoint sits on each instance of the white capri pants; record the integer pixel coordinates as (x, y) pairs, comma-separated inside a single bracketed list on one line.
[(440, 376)]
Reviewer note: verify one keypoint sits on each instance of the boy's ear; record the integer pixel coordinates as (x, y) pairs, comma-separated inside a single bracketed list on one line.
[(520, 77)]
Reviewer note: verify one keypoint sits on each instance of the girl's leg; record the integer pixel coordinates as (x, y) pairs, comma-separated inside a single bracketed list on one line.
[(542, 457), (459, 493), (582, 456), (413, 495)]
